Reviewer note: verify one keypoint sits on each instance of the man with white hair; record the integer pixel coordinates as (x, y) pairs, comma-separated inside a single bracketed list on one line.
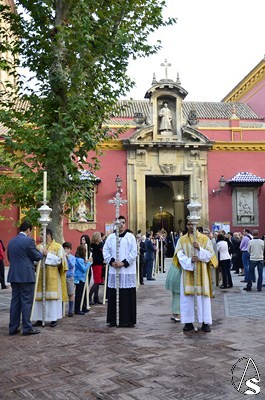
[(256, 254)]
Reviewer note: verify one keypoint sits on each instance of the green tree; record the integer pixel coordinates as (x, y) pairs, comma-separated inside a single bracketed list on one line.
[(76, 53)]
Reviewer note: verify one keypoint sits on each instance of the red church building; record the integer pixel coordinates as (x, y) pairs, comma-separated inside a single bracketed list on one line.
[(171, 147)]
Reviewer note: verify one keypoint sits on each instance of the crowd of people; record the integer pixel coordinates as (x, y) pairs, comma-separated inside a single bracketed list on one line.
[(75, 278)]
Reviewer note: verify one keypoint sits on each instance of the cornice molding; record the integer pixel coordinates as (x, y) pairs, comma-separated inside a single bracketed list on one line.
[(230, 128), (247, 83), (121, 126), (114, 144), (238, 146)]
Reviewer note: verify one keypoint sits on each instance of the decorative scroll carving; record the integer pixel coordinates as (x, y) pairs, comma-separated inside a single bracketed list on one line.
[(167, 168), (81, 226)]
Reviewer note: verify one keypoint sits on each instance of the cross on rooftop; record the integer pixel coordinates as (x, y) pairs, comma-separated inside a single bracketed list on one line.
[(166, 64)]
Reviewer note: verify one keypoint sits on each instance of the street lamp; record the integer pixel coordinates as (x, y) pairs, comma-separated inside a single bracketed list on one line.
[(222, 182), (118, 182)]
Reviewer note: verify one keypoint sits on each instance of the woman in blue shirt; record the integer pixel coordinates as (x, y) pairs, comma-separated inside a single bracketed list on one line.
[(81, 267)]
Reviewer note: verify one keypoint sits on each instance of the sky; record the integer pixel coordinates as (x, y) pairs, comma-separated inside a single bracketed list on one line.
[(213, 46)]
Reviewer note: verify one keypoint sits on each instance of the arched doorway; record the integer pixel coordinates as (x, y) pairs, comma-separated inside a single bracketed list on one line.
[(163, 220)]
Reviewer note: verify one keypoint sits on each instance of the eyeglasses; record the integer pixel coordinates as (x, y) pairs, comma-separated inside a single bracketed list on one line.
[(123, 222)]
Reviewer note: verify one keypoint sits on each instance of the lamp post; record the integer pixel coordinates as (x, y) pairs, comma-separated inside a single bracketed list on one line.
[(44, 219), (118, 202)]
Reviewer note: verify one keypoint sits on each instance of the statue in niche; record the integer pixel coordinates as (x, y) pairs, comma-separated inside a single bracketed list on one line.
[(166, 118), (82, 212)]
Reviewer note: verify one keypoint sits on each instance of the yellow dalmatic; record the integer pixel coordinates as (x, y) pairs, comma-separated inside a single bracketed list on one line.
[(204, 284), (54, 289)]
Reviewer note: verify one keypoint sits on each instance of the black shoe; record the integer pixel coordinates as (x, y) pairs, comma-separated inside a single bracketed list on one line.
[(85, 310), (205, 328), (188, 327), (259, 290), (223, 287), (247, 289), (14, 333), (151, 279), (126, 326), (91, 303), (31, 332), (111, 325), (97, 302), (37, 323), (70, 314), (53, 324), (141, 283), (80, 313)]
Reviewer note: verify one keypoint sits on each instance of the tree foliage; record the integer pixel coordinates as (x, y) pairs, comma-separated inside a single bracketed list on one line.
[(76, 53)]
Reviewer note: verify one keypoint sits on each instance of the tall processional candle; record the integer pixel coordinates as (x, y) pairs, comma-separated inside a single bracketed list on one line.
[(44, 186), (194, 180)]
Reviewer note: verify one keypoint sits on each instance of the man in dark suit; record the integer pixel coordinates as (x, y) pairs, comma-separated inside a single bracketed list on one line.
[(22, 253), (149, 257)]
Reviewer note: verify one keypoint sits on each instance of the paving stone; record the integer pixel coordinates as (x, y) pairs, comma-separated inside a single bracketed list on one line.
[(84, 359)]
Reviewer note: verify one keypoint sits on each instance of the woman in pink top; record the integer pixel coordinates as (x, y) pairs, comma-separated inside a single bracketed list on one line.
[(2, 266)]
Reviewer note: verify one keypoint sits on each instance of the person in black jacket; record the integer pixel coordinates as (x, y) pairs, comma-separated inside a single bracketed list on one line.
[(22, 253), (149, 257), (142, 248)]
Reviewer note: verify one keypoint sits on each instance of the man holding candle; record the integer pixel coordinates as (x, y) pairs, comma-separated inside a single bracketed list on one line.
[(56, 289), (189, 251)]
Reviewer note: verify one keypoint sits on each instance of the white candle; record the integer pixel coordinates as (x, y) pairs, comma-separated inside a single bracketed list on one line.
[(44, 185), (194, 179)]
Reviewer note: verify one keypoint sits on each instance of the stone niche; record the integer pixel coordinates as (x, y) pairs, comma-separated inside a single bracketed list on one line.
[(166, 116)]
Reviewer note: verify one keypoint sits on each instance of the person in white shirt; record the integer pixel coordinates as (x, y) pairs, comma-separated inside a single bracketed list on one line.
[(256, 259), (224, 261)]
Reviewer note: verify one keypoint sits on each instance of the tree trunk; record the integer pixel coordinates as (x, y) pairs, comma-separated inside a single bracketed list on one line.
[(56, 225)]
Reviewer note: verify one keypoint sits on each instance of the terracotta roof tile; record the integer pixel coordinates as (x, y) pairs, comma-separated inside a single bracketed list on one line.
[(204, 110)]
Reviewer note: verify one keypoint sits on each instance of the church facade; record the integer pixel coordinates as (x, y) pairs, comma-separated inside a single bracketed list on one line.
[(171, 148)]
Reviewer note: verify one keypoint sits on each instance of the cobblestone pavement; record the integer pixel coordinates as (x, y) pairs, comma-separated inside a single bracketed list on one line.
[(84, 359)]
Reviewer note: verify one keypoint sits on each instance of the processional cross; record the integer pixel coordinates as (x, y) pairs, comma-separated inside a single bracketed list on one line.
[(118, 202), (166, 64)]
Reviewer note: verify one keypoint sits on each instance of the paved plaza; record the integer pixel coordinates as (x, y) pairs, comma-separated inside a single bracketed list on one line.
[(82, 358)]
